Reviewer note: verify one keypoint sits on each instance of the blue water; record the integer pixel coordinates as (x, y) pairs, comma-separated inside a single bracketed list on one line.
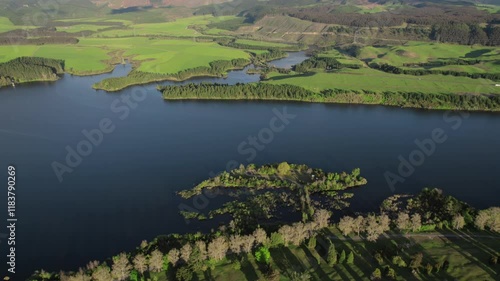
[(123, 191)]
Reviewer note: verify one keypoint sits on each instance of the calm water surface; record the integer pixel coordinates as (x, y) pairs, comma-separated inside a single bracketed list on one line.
[(123, 192)]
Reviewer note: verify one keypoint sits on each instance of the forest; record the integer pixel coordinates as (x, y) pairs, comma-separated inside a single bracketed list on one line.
[(265, 91), (26, 69)]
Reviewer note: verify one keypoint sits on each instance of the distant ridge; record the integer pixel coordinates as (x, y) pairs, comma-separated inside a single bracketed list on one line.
[(120, 4)]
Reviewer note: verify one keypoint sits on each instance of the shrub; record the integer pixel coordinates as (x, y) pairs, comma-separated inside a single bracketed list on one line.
[(397, 260)]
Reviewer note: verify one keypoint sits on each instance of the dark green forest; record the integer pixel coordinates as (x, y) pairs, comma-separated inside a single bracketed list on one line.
[(26, 69), (263, 91)]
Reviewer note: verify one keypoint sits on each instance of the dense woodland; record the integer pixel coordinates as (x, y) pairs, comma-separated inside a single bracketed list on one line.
[(26, 69), (39, 36), (265, 91)]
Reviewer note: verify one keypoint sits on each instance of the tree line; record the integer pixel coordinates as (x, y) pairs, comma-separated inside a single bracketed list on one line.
[(264, 91), (418, 72), (39, 36)]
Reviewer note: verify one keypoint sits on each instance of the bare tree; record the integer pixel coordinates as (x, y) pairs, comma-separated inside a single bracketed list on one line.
[(202, 246), (235, 243), (416, 222), (156, 261), (140, 263), (186, 252), (217, 249), (260, 236), (286, 232), (358, 225), (79, 276), (346, 225), (321, 218), (481, 220), (385, 223), (248, 242), (102, 273), (403, 222), (144, 244), (121, 267), (373, 228), (173, 256), (458, 222), (92, 265)]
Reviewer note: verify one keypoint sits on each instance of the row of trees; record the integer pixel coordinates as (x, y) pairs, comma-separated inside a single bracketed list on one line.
[(198, 255), (421, 71), (265, 91)]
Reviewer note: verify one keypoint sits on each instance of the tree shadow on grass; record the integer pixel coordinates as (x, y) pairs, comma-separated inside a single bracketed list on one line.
[(471, 255), (286, 261), (316, 268), (249, 270)]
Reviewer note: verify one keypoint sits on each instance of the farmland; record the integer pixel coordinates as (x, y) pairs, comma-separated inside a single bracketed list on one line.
[(167, 56), (369, 79)]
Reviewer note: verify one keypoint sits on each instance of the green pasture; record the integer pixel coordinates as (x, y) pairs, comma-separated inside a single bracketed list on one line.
[(261, 43), (167, 56), (180, 27), (81, 27), (7, 25), (374, 80)]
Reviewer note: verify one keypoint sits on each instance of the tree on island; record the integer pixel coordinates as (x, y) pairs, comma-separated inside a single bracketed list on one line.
[(156, 261), (217, 248), (102, 273), (403, 222), (140, 263), (121, 267), (416, 222), (283, 168), (358, 225), (173, 256), (346, 225), (186, 252), (458, 222)]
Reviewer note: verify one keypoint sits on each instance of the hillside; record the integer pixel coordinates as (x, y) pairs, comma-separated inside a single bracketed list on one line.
[(120, 4)]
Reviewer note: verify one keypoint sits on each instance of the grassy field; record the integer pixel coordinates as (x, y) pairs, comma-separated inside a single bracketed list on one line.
[(468, 258), (79, 59), (179, 27), (340, 57), (7, 25), (167, 56), (369, 79), (261, 43), (421, 52), (81, 27)]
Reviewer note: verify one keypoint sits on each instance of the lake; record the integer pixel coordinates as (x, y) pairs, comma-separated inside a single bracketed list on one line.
[(123, 191)]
